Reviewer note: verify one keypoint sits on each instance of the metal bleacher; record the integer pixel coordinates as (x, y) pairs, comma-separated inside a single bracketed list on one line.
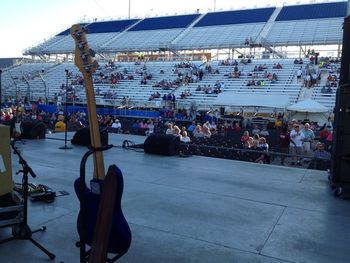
[(225, 29), (151, 33), (294, 25), (309, 24)]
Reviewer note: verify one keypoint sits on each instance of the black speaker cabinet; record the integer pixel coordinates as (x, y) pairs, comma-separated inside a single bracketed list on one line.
[(162, 144), (340, 166), (345, 56), (82, 137), (33, 130)]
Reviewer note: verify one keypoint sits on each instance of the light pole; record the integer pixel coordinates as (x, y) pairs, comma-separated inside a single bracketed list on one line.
[(129, 9), (65, 146)]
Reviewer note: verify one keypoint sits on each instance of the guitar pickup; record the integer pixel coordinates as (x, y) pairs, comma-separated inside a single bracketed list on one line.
[(96, 186)]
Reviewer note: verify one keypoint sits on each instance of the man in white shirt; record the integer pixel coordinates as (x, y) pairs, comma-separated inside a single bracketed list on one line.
[(309, 138), (296, 144), (116, 126)]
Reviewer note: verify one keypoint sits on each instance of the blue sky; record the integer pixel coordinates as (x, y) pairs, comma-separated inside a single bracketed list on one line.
[(25, 23)]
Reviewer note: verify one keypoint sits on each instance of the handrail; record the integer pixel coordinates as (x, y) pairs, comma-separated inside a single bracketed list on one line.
[(46, 89), (28, 85)]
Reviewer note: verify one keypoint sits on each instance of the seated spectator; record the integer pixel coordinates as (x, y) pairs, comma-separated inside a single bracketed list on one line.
[(170, 129), (177, 131), (256, 130), (191, 127), (263, 145), (245, 137), (329, 90), (116, 126), (236, 127), (206, 131), (150, 128), (197, 132), (264, 132), (185, 138), (60, 126), (322, 158), (324, 134)]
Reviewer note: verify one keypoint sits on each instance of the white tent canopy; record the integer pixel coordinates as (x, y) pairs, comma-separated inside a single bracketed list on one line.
[(252, 100), (308, 105)]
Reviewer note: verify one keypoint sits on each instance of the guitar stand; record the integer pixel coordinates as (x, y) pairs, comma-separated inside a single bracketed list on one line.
[(21, 230), (81, 244)]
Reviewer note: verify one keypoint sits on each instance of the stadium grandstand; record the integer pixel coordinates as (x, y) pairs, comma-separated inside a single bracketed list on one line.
[(224, 53)]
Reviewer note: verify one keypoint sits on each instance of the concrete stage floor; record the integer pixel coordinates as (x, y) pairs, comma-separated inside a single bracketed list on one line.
[(194, 209)]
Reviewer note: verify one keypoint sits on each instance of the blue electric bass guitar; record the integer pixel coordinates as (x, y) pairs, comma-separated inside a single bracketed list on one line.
[(101, 223)]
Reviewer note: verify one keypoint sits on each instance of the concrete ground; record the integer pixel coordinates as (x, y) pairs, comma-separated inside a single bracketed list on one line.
[(194, 209)]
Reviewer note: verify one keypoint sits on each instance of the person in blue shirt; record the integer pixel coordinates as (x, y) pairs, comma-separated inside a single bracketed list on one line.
[(191, 127)]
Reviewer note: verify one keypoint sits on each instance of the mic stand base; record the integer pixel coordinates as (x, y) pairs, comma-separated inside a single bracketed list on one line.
[(65, 147), (23, 232)]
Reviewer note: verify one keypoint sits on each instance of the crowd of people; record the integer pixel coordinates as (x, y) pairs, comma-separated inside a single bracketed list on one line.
[(299, 142), (302, 143)]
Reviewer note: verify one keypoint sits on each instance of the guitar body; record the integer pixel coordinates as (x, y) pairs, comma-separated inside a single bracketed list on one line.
[(120, 234)]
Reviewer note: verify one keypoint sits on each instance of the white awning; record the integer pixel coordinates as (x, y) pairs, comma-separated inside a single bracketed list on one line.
[(307, 105)]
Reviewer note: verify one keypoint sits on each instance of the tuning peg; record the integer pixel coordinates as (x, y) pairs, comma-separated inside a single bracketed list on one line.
[(92, 52), (84, 56), (77, 35)]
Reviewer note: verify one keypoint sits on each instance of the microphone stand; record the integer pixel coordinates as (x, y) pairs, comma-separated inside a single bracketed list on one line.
[(65, 146), (22, 231)]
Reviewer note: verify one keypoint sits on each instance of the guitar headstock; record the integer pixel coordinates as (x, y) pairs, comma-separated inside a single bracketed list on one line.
[(83, 54)]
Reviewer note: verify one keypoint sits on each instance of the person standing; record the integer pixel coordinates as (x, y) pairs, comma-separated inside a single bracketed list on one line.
[(309, 138), (284, 141), (296, 144)]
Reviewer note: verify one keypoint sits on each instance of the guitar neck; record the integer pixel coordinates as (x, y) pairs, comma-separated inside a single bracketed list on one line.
[(83, 60), (99, 172)]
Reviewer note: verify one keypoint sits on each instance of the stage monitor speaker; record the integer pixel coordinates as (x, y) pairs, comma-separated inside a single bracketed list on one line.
[(162, 144), (33, 130), (82, 137), (340, 165)]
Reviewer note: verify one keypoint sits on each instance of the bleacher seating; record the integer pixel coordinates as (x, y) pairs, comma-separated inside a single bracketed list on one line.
[(98, 33), (225, 29), (167, 22), (151, 34), (294, 25), (309, 32), (145, 40), (309, 24), (236, 17), (139, 94), (284, 26), (312, 11), (218, 36), (25, 78)]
